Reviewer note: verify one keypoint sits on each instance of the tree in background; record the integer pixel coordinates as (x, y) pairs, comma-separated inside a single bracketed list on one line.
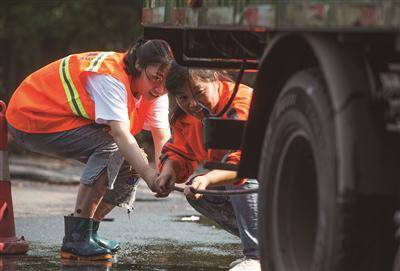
[(34, 33)]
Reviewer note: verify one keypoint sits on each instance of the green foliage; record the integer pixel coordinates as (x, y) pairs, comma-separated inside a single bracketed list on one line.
[(36, 32)]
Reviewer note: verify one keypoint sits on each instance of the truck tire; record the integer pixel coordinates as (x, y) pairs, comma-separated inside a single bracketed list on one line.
[(305, 223)]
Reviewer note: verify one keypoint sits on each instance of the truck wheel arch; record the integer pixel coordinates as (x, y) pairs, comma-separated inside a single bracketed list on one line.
[(346, 78)]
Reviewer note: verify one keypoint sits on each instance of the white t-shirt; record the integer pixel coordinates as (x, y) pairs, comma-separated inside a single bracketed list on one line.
[(111, 103)]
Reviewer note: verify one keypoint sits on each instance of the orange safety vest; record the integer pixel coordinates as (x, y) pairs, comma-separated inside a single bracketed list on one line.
[(54, 98)]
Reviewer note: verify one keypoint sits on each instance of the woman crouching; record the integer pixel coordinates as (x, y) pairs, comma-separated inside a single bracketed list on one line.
[(197, 91)]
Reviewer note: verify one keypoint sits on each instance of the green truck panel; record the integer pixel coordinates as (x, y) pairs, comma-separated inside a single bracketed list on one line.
[(273, 14)]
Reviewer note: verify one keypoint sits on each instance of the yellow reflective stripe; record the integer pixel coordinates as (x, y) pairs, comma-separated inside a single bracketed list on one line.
[(96, 62), (70, 89), (65, 85)]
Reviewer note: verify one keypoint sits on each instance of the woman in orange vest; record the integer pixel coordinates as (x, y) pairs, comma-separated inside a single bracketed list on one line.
[(184, 154), (88, 107)]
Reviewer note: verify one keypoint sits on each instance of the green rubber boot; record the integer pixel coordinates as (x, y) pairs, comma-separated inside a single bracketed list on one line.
[(112, 245), (78, 242)]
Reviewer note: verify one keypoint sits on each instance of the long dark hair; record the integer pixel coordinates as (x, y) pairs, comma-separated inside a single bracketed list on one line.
[(147, 52), (180, 78)]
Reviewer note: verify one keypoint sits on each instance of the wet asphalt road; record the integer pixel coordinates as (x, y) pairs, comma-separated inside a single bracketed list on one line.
[(154, 237)]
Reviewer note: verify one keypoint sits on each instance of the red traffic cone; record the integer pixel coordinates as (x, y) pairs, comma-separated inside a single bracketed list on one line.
[(9, 244)]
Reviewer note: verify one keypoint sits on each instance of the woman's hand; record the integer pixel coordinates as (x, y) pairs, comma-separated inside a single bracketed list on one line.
[(199, 182), (167, 179), (150, 177), (165, 183)]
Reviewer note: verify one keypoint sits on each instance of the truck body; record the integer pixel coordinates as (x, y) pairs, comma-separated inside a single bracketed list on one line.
[(322, 136)]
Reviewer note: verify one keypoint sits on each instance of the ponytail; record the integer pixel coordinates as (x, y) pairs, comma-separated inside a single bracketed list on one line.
[(146, 52)]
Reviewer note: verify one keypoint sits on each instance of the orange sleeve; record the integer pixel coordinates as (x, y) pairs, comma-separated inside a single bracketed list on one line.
[(178, 150)]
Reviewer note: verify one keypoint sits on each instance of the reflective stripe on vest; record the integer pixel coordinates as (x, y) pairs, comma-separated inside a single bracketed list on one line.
[(70, 89), (96, 62)]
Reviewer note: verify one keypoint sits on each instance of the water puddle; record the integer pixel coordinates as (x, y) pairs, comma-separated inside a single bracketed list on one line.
[(160, 255)]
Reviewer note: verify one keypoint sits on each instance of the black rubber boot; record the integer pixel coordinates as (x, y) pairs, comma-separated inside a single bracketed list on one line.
[(112, 245), (78, 242)]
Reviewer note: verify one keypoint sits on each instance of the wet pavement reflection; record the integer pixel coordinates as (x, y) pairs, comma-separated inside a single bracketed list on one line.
[(162, 256), (164, 234)]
